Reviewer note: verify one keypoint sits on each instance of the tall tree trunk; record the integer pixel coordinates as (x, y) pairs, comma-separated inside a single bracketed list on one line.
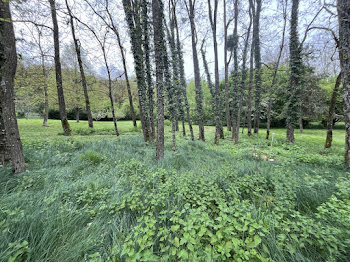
[(331, 111), (148, 69), (244, 77), (60, 94), (216, 95), (250, 89), (235, 89), (81, 68), (46, 106), (197, 78), (295, 74), (133, 19), (77, 115), (5, 157), (274, 78), (257, 55), (182, 78), (301, 127), (8, 65), (343, 7), (227, 104), (158, 50)]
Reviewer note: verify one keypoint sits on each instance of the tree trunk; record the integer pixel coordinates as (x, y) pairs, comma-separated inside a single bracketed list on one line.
[(343, 7), (244, 77), (61, 102), (235, 89), (158, 50), (216, 95), (257, 55), (4, 149), (331, 111), (274, 79), (8, 65), (197, 78), (250, 89), (81, 68), (295, 74), (301, 127), (227, 104), (46, 109), (77, 115), (182, 78)]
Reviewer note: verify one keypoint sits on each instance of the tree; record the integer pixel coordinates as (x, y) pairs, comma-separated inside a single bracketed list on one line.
[(8, 120), (227, 104), (182, 75), (343, 7), (190, 6), (61, 102), (244, 77), (133, 17), (235, 88), (257, 59), (81, 68), (212, 19), (293, 104), (157, 8), (274, 78)]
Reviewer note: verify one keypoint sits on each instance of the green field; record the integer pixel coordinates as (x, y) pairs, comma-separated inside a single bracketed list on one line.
[(97, 197)]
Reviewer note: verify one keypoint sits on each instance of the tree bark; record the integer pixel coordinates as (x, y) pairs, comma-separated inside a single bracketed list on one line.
[(8, 65), (250, 89), (46, 106), (227, 104), (212, 18), (244, 77), (235, 89), (158, 50), (257, 55), (343, 7), (182, 78), (295, 74), (331, 111), (61, 101), (197, 79), (81, 68), (274, 79)]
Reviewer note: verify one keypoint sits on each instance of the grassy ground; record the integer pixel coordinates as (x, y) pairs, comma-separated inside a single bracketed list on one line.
[(97, 197)]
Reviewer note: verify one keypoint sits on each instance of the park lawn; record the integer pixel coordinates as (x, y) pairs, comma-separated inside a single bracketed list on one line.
[(97, 197)]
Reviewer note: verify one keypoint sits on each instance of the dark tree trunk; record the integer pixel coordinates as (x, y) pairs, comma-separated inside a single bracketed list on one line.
[(235, 89), (148, 69), (81, 68), (61, 101), (8, 65), (133, 19), (250, 89), (197, 78), (217, 115), (343, 7), (158, 50), (331, 111), (274, 79), (5, 157), (77, 115), (295, 74), (227, 104), (182, 78), (257, 55), (244, 77)]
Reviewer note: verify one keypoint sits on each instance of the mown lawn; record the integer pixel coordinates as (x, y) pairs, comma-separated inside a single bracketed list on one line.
[(97, 197)]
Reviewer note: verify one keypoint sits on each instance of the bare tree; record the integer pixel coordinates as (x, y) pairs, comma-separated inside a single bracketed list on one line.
[(227, 104), (8, 65), (190, 6)]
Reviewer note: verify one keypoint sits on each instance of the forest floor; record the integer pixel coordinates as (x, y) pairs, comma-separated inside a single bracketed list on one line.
[(97, 197)]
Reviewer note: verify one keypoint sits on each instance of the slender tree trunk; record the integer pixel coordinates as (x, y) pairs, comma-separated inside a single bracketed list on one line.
[(158, 50), (274, 79), (250, 90), (257, 55), (227, 104), (331, 111), (301, 127), (46, 106), (235, 89), (295, 74), (61, 101), (4, 148), (244, 77), (197, 79), (216, 95), (81, 68), (343, 7), (182, 78), (8, 65), (77, 115)]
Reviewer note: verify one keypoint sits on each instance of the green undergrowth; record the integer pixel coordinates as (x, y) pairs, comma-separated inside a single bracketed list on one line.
[(98, 198)]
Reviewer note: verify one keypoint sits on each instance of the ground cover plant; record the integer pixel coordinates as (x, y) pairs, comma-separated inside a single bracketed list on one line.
[(97, 197)]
